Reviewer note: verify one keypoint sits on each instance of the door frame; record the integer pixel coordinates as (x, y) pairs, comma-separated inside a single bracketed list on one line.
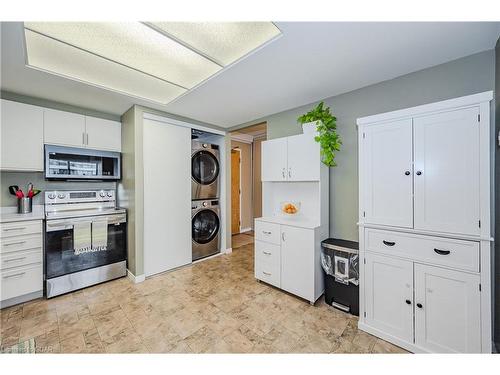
[(237, 149)]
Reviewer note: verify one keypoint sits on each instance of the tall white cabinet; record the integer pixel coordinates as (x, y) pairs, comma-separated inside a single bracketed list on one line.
[(288, 247), (424, 226)]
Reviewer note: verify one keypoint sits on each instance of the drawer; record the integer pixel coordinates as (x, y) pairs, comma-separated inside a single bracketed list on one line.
[(19, 281), (266, 252), (268, 272), (267, 232), (20, 258), (10, 244), (20, 228), (435, 250)]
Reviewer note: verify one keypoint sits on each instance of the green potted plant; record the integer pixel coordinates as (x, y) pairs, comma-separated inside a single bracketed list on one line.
[(322, 123)]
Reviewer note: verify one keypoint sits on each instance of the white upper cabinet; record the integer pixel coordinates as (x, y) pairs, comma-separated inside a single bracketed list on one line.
[(274, 160), (295, 158), (303, 158), (447, 171), (103, 134), (447, 310), (388, 177), (64, 128), (21, 137)]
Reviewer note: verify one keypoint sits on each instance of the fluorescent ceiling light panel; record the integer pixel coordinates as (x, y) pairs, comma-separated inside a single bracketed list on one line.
[(135, 45), (224, 42), (59, 58)]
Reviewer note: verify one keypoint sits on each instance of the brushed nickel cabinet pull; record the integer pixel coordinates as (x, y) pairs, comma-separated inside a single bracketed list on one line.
[(14, 275), (266, 232), (15, 243), (14, 259), (17, 228), (267, 253)]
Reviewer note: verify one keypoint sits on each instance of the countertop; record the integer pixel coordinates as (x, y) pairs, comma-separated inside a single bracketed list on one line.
[(9, 214), (294, 221)]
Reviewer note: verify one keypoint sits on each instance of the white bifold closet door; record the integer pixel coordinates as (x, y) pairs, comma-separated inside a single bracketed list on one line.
[(167, 196)]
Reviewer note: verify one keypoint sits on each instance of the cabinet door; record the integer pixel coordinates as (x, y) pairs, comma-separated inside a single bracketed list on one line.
[(274, 163), (447, 310), (64, 128), (21, 137), (389, 295), (103, 134), (447, 172), (303, 158), (297, 261), (387, 174)]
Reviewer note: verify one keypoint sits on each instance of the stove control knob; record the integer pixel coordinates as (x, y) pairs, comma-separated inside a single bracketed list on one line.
[(109, 194), (102, 194), (61, 195), (51, 196)]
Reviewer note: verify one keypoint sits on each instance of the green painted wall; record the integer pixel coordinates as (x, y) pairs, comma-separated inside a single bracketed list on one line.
[(468, 75)]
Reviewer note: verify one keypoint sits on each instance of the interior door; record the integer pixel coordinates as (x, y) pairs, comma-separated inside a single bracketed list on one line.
[(167, 196), (447, 171), (303, 158), (389, 295), (297, 261), (63, 128), (387, 174), (447, 310), (235, 191), (274, 160)]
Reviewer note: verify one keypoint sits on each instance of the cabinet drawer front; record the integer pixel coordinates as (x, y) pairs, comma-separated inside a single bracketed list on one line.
[(20, 258), (20, 281), (268, 272), (440, 251), (267, 232), (20, 228), (12, 244), (266, 252)]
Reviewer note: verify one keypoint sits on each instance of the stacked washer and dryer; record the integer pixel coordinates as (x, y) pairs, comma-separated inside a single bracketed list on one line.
[(205, 211)]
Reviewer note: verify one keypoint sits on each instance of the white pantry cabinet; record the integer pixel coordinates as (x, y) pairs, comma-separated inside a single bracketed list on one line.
[(21, 137), (294, 158), (424, 226), (75, 130)]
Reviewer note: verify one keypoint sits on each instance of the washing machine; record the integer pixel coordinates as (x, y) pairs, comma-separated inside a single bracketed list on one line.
[(205, 170), (205, 228)]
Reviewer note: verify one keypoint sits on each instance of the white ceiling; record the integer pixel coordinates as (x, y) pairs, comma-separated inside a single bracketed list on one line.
[(311, 61)]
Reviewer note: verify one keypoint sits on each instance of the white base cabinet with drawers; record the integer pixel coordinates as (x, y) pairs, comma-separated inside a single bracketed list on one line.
[(21, 262), (288, 257), (425, 232)]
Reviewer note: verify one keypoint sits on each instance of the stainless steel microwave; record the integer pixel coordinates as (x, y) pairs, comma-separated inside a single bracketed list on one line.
[(69, 163)]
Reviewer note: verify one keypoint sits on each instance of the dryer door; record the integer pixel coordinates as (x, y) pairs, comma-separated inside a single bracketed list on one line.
[(205, 226), (204, 167)]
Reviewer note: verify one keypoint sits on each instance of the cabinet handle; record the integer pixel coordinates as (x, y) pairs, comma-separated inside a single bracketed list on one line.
[(87, 134), (266, 273), (266, 232), (14, 275), (15, 243), (290, 172), (407, 173), (265, 252), (388, 243), (442, 252), (283, 236), (14, 259), (83, 138), (419, 173), (408, 302), (17, 228), (419, 305), (283, 173)]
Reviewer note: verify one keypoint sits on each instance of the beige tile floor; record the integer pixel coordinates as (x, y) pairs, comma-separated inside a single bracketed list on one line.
[(215, 306)]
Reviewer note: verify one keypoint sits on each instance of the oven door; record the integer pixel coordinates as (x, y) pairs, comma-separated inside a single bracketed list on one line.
[(61, 257)]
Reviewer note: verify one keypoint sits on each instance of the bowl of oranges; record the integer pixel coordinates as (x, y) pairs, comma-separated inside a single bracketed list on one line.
[(290, 208)]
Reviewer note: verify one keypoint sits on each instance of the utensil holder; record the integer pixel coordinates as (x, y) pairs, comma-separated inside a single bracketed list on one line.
[(24, 205)]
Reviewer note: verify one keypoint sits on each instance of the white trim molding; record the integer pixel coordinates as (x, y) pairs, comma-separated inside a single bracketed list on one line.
[(240, 137), (135, 279), (229, 250), (167, 120), (243, 230)]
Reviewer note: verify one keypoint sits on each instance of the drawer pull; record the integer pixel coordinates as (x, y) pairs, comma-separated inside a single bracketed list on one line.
[(17, 228), (388, 243), (266, 232), (266, 253), (14, 275), (14, 259), (419, 305), (408, 302), (441, 252), (266, 273), (15, 243)]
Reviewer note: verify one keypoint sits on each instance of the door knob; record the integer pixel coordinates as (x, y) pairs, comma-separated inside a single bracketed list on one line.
[(408, 302), (407, 173), (419, 173), (419, 305)]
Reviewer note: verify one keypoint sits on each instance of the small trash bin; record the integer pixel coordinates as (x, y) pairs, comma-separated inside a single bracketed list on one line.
[(339, 259)]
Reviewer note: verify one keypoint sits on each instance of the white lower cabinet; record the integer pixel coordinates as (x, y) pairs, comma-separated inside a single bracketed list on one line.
[(447, 310), (288, 257)]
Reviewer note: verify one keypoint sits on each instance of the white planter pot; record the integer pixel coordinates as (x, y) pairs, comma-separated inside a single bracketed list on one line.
[(310, 128)]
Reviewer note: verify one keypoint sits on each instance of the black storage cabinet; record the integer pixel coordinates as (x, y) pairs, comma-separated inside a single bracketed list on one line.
[(344, 296)]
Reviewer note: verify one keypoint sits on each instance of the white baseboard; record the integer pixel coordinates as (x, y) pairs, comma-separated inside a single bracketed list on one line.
[(135, 279), (229, 250), (243, 230)]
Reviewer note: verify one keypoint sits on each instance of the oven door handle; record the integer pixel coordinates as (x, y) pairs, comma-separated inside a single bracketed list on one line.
[(56, 225)]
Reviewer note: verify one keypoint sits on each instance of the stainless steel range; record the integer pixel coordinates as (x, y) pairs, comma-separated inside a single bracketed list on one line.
[(85, 240)]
